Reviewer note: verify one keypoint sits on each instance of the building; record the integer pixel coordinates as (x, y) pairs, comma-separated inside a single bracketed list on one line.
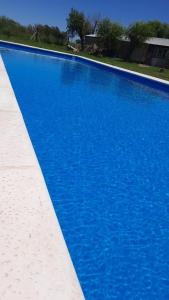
[(91, 39), (154, 52)]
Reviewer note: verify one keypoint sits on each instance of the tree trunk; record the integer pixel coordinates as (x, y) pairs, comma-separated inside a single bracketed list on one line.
[(82, 42), (131, 49)]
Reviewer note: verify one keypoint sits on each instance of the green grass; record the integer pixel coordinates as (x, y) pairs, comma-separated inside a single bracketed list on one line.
[(27, 41), (148, 70)]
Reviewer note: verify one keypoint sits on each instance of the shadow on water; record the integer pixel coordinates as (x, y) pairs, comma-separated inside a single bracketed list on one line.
[(71, 72)]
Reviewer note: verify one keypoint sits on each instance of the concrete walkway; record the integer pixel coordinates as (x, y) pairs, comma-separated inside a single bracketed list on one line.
[(34, 260)]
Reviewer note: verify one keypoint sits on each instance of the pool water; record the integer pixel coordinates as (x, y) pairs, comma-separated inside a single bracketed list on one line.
[(103, 145)]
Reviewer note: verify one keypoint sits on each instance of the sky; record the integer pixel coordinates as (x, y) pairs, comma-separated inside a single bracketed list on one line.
[(54, 12)]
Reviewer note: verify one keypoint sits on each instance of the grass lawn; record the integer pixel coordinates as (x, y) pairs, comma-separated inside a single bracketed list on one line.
[(149, 70)]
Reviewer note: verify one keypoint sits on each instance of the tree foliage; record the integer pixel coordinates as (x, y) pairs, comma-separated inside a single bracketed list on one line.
[(47, 34), (138, 34), (11, 28), (78, 24), (44, 33), (109, 34), (158, 29)]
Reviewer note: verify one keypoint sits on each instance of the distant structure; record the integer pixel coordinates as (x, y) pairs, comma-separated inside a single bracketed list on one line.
[(91, 39), (36, 35), (154, 52)]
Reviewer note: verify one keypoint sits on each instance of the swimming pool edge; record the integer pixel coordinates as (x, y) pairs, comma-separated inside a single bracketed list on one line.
[(82, 58), (33, 254)]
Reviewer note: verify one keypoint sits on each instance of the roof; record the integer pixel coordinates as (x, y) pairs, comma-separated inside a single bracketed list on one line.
[(158, 41), (151, 41), (94, 35)]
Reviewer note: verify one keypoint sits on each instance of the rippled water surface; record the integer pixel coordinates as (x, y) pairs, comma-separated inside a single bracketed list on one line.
[(103, 144)]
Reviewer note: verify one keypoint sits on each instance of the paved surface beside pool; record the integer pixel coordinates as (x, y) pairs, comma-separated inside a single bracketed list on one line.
[(34, 260)]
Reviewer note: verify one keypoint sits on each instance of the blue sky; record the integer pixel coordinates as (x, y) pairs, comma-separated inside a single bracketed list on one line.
[(54, 12)]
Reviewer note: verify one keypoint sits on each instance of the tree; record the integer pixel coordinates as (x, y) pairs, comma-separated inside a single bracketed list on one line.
[(138, 33), (109, 34), (158, 29), (77, 24), (11, 28), (36, 33), (56, 36), (47, 34)]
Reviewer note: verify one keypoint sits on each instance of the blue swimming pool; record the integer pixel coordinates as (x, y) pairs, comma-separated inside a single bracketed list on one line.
[(102, 141)]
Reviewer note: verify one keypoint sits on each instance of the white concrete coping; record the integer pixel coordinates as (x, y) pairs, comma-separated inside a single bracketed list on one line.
[(34, 260), (141, 75)]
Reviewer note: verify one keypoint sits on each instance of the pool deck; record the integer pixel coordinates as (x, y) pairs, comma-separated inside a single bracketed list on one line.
[(34, 261)]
